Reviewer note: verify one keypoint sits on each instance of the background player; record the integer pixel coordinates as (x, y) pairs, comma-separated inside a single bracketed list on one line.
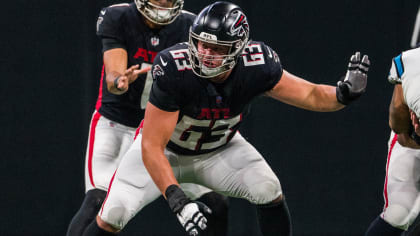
[(401, 192), (197, 99), (132, 34)]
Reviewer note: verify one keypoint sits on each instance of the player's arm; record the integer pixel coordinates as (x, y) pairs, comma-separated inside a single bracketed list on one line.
[(318, 97), (110, 29), (158, 128), (115, 62), (399, 114), (301, 93), (118, 77), (400, 119)]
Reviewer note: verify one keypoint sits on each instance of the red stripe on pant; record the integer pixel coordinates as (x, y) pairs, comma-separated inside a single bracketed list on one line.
[(93, 125), (109, 190), (99, 100), (394, 140), (138, 129)]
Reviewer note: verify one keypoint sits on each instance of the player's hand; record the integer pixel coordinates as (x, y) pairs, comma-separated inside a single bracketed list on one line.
[(192, 217), (415, 122), (130, 75), (355, 81), (189, 213), (133, 72)]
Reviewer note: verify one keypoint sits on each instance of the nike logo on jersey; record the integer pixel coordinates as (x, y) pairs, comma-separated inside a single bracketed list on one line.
[(103, 12), (163, 62)]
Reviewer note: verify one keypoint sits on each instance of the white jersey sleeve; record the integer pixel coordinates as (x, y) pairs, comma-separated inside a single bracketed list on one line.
[(409, 70), (393, 76)]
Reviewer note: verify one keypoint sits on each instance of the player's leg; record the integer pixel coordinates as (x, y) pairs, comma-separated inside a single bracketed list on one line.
[(130, 190), (380, 227), (106, 144), (239, 170), (272, 214), (218, 220), (87, 212), (400, 191), (414, 229)]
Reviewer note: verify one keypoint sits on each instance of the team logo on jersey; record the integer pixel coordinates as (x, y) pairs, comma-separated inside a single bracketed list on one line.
[(157, 71), (240, 27), (155, 41)]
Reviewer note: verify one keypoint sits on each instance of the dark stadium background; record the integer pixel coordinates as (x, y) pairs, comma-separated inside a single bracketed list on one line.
[(331, 166)]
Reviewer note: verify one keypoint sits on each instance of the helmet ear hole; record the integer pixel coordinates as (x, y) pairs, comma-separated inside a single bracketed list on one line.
[(157, 14), (224, 24)]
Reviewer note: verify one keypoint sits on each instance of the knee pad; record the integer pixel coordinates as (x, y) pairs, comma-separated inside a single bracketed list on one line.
[(265, 192), (398, 216), (116, 215)]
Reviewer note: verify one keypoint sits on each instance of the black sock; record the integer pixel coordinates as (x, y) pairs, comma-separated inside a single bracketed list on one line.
[(414, 229), (94, 230), (381, 228), (87, 212), (218, 220), (274, 219)]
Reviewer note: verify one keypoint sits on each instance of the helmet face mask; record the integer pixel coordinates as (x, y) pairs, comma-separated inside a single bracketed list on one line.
[(157, 14), (223, 25), (208, 66)]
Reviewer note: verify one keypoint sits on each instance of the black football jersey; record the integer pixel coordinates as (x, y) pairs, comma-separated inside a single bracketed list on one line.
[(124, 23), (210, 113)]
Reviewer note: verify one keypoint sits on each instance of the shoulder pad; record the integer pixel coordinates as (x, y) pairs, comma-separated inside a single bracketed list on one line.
[(109, 20), (253, 54), (115, 9), (258, 53)]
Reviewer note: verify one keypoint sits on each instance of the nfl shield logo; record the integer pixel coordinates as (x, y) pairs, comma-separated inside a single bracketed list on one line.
[(155, 41)]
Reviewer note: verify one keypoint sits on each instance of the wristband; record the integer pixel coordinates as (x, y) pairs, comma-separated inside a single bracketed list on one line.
[(176, 198), (342, 94), (116, 80)]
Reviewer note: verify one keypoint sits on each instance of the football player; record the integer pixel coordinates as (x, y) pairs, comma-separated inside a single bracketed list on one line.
[(132, 35), (401, 189), (402, 176), (199, 93)]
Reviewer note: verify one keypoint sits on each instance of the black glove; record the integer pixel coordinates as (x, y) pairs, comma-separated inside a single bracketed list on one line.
[(189, 213), (354, 84)]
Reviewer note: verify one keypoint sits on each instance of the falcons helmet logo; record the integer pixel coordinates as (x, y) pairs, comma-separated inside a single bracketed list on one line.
[(240, 27)]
